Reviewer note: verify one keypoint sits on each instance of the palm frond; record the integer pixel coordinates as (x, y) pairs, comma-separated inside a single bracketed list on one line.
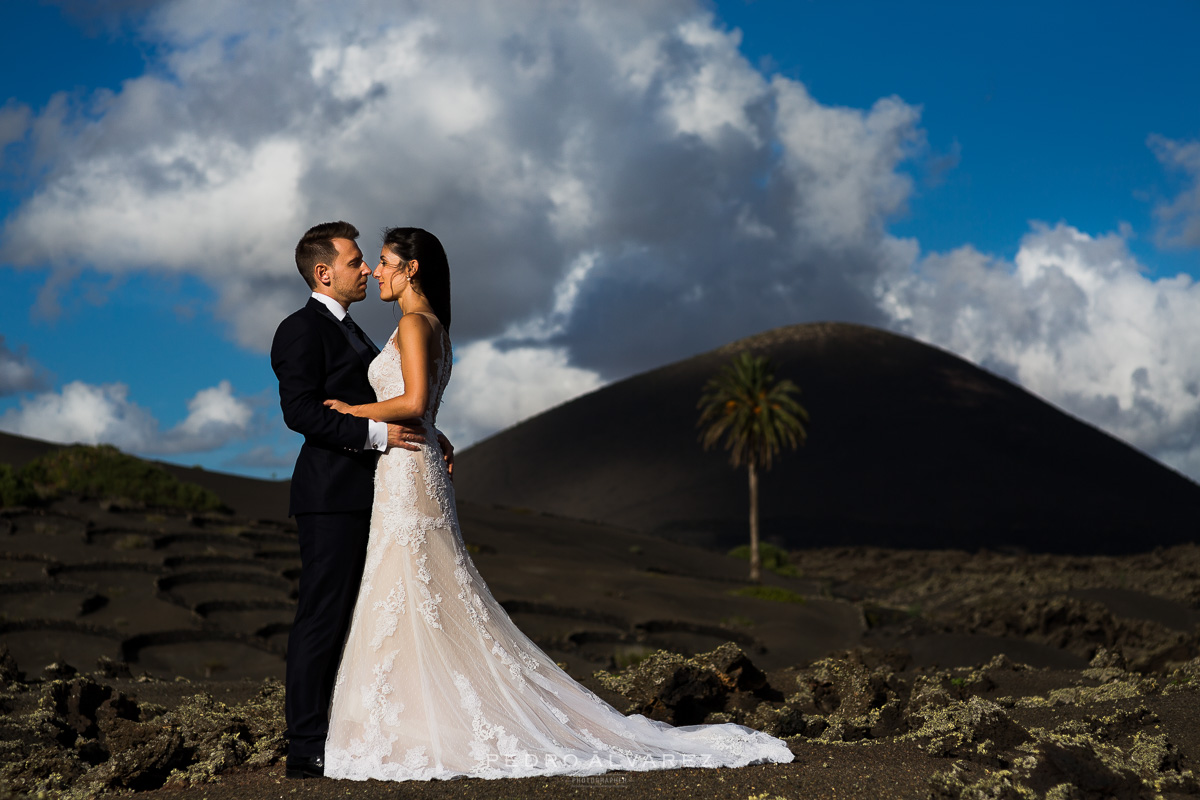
[(749, 413)]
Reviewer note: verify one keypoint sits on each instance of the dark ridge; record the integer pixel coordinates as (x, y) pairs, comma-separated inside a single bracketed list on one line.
[(276, 555), (715, 631), (211, 560), (214, 606), (92, 604), (16, 587), (103, 566), (169, 582), (268, 537), (566, 612), (601, 637), (909, 446), (62, 625), (10, 515), (273, 629), (20, 450), (131, 647), (653, 570), (200, 538), (34, 558), (248, 498)]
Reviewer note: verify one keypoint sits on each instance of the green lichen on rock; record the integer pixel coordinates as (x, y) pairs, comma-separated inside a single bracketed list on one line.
[(81, 738), (974, 729), (10, 674), (779, 721), (852, 696), (957, 783), (1100, 756), (74, 736), (51, 746), (11, 684), (1185, 677), (847, 685), (683, 690), (716, 687), (219, 736), (1125, 688)]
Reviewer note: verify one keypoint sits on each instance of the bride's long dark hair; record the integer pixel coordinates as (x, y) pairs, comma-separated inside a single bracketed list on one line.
[(433, 272)]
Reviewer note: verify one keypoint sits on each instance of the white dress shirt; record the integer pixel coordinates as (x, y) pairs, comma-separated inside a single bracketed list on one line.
[(376, 430)]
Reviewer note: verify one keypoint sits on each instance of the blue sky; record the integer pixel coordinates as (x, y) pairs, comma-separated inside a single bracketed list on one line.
[(1046, 105), (1016, 183)]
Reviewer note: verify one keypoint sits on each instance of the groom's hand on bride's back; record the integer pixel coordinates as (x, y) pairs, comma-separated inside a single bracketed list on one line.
[(404, 437), (410, 438)]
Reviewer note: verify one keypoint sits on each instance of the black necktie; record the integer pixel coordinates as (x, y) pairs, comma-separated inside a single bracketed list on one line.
[(359, 335)]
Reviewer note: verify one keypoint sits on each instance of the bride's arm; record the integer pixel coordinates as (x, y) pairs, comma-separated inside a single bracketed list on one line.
[(414, 334)]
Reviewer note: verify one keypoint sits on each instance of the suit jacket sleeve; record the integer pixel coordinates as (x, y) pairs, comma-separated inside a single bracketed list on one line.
[(298, 358)]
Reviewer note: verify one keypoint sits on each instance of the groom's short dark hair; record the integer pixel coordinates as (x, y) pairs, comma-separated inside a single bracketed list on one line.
[(316, 247)]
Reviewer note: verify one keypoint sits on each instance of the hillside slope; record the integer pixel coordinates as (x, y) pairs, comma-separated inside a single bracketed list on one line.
[(909, 446), (250, 498)]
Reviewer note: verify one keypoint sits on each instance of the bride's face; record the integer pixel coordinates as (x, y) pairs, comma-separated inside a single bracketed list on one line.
[(390, 274)]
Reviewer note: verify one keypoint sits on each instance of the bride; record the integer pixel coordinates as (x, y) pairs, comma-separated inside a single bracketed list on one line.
[(435, 680)]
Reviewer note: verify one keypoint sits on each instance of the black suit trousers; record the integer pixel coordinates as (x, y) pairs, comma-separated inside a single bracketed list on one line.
[(333, 548)]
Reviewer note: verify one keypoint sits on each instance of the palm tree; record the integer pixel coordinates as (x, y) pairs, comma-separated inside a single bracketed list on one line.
[(755, 416)]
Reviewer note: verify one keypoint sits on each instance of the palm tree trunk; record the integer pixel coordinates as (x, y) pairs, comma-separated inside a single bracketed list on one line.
[(755, 571)]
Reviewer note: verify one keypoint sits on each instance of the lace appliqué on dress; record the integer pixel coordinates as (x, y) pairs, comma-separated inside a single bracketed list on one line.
[(387, 614), (429, 604)]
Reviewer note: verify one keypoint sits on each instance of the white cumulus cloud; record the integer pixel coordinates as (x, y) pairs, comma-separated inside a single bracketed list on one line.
[(528, 135), (493, 388), (91, 414), (1076, 319)]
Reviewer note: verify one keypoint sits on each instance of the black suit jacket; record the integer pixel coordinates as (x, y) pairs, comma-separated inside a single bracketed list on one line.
[(314, 360)]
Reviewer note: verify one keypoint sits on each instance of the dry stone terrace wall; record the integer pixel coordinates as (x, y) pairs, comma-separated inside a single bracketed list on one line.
[(171, 594)]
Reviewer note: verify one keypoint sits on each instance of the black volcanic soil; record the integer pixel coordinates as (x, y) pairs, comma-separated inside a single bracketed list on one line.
[(909, 446), (937, 673)]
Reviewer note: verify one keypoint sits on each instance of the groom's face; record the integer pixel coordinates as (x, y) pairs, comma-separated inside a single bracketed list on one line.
[(348, 274)]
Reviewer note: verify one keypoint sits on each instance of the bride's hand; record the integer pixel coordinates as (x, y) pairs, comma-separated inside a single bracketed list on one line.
[(339, 406)]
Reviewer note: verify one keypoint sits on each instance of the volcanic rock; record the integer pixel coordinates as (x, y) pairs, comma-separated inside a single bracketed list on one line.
[(682, 691), (9, 672)]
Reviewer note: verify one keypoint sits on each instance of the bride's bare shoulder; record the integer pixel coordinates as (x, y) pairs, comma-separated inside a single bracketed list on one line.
[(414, 330), (416, 324)]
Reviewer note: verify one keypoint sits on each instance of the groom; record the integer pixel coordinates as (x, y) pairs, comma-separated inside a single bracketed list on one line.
[(319, 353)]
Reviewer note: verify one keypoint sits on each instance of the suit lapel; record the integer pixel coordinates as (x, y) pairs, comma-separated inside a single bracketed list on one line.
[(357, 345)]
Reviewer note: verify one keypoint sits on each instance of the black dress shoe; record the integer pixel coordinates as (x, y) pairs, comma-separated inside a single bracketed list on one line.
[(305, 767)]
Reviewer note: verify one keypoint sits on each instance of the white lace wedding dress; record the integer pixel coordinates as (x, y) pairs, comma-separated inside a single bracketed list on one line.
[(435, 679)]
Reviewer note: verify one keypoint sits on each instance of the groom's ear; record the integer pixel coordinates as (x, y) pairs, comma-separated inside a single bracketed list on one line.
[(322, 274)]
